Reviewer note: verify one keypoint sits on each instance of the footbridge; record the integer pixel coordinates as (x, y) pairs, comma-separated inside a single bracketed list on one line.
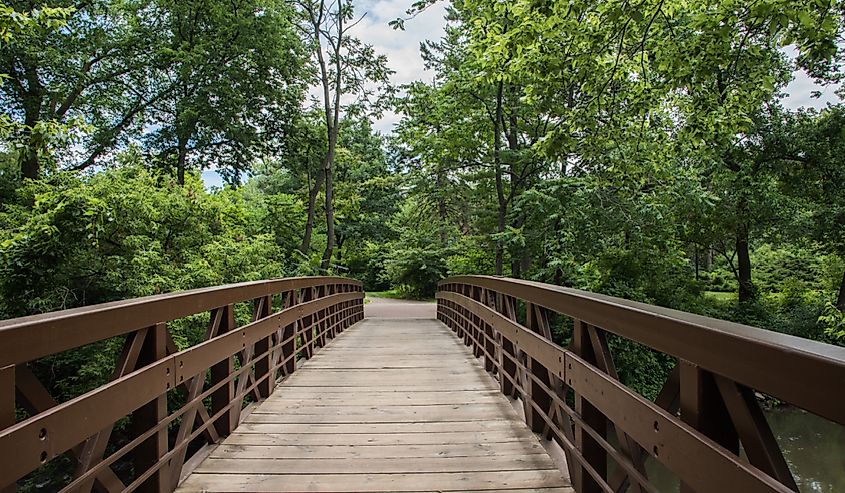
[(502, 385)]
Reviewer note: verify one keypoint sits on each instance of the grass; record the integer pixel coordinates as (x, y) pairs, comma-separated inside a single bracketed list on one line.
[(720, 296), (394, 294)]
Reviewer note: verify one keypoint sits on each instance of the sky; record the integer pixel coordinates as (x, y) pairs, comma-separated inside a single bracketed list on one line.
[(403, 54)]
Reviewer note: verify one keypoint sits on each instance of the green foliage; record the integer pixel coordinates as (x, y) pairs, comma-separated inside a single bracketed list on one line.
[(833, 322), (416, 260), (639, 151), (418, 268), (130, 232)]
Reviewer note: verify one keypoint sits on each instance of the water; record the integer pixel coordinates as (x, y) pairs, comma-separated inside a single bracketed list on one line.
[(813, 447)]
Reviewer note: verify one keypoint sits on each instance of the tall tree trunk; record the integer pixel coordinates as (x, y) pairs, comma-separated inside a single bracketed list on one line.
[(332, 123), (339, 248), (525, 263), (522, 262), (441, 206), (840, 300), (30, 166), (305, 247), (697, 274), (330, 239), (743, 257), (181, 159), (500, 187), (29, 163)]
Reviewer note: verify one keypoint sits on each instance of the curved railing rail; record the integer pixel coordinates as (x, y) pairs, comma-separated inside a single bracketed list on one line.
[(705, 412), (231, 365)]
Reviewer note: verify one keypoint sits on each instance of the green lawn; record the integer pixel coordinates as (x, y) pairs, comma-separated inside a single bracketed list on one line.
[(720, 296), (394, 294)]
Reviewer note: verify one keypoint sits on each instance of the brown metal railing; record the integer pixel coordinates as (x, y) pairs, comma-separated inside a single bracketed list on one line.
[(706, 412), (231, 365)]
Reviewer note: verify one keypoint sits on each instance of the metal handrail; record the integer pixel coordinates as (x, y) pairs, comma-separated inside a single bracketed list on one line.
[(151, 369), (706, 409)]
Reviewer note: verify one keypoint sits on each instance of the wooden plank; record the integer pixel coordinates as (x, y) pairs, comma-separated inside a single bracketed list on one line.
[(363, 387), (413, 427), (266, 436), (393, 405), (232, 449), (336, 399), (478, 410), (272, 465), (309, 419), (199, 482)]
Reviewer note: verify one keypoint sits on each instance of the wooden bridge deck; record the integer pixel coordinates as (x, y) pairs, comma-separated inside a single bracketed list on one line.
[(391, 404)]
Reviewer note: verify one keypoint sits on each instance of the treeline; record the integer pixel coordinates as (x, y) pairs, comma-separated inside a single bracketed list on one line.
[(111, 109), (640, 150), (637, 150)]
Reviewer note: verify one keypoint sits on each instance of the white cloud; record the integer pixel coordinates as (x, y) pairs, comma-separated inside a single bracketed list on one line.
[(401, 47), (799, 91)]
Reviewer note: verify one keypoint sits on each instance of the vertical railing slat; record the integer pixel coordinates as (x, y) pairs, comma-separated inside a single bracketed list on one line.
[(150, 452)]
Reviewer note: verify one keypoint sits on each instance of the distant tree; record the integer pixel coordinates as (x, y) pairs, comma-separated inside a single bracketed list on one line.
[(236, 76), (92, 73), (347, 69)]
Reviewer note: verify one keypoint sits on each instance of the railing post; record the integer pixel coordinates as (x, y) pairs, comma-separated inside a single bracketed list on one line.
[(537, 320), (509, 369), (702, 408), (323, 318), (263, 308), (148, 416), (288, 337), (489, 335), (306, 325), (221, 371), (7, 408), (592, 451)]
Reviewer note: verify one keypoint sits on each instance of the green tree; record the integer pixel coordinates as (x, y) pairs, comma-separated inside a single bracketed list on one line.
[(90, 75), (236, 76), (345, 68)]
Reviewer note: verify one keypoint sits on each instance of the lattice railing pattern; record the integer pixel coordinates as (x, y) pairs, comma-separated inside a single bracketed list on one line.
[(706, 412), (212, 379)]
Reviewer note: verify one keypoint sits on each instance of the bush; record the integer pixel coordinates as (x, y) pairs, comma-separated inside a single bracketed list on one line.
[(417, 268)]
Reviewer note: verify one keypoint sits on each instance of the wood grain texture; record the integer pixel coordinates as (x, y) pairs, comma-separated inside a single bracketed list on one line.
[(390, 405)]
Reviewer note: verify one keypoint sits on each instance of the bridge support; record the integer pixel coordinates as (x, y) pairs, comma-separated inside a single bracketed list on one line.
[(592, 451), (263, 307), (150, 451), (221, 371), (7, 407)]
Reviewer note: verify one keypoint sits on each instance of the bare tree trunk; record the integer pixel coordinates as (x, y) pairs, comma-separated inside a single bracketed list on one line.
[(330, 239), (743, 257), (441, 205), (181, 159), (333, 127), (697, 267), (339, 248), (840, 300), (500, 187), (305, 247), (30, 166)]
